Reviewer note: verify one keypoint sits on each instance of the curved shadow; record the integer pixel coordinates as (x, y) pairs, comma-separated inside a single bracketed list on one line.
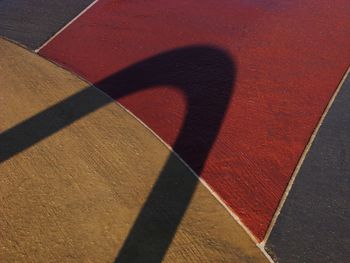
[(205, 75)]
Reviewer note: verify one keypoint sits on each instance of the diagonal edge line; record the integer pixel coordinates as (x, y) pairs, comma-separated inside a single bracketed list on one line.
[(302, 158), (65, 26)]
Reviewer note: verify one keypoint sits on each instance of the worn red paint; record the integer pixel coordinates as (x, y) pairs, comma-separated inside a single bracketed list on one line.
[(290, 55)]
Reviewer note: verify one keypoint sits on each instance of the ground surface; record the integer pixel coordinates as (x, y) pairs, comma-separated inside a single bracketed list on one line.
[(237, 88)]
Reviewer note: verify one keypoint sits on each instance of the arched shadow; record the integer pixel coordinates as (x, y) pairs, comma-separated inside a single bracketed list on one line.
[(205, 75)]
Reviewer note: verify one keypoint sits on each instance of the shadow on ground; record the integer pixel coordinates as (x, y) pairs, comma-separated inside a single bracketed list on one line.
[(205, 75)]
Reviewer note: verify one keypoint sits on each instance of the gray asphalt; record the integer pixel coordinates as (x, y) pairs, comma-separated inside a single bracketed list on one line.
[(33, 22), (314, 224)]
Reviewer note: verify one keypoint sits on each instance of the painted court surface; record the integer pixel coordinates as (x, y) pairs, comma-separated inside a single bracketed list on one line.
[(289, 58), (248, 94)]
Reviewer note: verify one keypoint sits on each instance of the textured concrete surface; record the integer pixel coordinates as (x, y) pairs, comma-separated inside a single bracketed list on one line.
[(289, 57), (76, 170), (32, 22), (314, 222)]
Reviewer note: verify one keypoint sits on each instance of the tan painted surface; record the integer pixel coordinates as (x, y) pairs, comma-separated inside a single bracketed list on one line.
[(74, 195)]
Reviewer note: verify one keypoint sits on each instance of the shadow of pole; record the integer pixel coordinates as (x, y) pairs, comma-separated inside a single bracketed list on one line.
[(205, 75)]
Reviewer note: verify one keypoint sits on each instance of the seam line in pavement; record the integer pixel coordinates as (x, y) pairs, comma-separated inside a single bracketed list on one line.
[(65, 26), (302, 158)]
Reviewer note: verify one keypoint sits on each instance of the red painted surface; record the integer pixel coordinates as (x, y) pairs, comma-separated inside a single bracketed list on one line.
[(290, 57)]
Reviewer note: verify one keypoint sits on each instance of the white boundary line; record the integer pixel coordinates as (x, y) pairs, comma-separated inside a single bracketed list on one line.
[(302, 158), (65, 26)]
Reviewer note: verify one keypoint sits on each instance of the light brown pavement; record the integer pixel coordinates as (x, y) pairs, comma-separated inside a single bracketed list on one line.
[(76, 169)]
